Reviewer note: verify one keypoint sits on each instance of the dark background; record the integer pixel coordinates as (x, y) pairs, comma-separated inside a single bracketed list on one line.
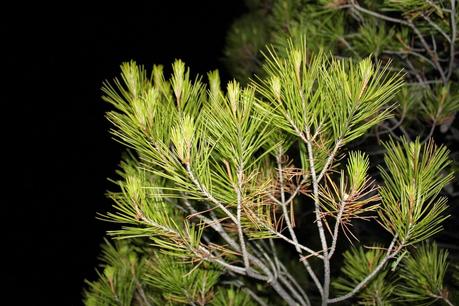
[(56, 59)]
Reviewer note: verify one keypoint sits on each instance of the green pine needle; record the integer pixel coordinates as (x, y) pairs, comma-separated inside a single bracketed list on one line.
[(414, 177)]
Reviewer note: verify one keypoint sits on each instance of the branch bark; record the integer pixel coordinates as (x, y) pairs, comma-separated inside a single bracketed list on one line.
[(336, 229), (290, 227), (238, 219), (323, 239), (269, 278)]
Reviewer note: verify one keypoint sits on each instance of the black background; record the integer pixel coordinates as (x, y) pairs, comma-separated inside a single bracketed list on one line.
[(56, 59)]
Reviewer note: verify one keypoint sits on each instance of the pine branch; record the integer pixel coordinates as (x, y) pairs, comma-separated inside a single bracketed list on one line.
[(285, 281), (336, 228), (216, 159), (219, 229), (290, 227), (238, 219), (295, 283), (295, 244), (330, 160), (323, 239), (411, 25), (209, 196), (391, 253)]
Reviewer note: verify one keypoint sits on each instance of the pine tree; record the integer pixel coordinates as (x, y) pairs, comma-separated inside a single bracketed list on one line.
[(255, 193)]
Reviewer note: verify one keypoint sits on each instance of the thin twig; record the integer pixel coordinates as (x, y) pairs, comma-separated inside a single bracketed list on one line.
[(238, 219), (436, 27), (330, 159), (254, 296), (207, 194), (290, 228), (214, 224), (295, 293), (447, 301), (374, 14), (396, 123), (434, 42), (443, 298), (433, 56), (413, 27), (240, 284), (274, 252), (304, 248), (262, 253), (295, 283), (305, 177), (346, 43), (297, 190), (407, 52), (199, 251), (453, 39), (323, 239), (336, 229), (431, 132), (298, 292), (366, 280), (415, 71)]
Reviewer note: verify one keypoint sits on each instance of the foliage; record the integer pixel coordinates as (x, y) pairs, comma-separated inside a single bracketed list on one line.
[(423, 274), (178, 283), (214, 198), (134, 274), (421, 278), (358, 263), (411, 208), (417, 36), (121, 281)]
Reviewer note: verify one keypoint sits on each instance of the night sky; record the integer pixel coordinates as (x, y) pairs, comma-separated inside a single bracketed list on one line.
[(62, 151)]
